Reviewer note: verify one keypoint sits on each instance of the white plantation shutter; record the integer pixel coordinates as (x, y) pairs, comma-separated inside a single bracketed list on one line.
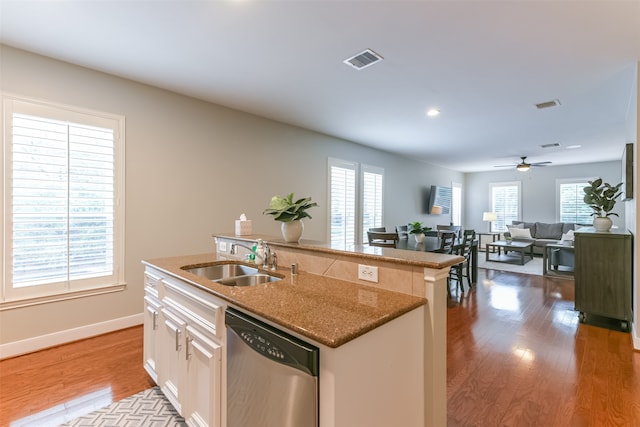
[(354, 207), (573, 209), (372, 180), (505, 202), (64, 228), (342, 197), (456, 204)]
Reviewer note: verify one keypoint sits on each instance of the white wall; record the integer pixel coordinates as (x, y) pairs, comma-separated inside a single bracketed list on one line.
[(538, 190), (191, 169)]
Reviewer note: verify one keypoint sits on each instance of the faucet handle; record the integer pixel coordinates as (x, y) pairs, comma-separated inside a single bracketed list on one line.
[(274, 262)]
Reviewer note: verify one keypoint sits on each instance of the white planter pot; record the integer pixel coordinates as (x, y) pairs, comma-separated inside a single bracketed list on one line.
[(419, 237), (602, 223), (292, 230)]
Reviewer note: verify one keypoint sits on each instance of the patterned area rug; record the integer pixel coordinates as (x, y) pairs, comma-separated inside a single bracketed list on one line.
[(148, 408)]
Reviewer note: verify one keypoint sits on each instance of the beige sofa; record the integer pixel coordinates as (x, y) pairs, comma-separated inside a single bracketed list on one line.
[(541, 233)]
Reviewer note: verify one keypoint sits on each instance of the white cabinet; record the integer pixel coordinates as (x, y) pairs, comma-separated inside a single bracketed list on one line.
[(187, 344), (203, 378), (172, 366), (152, 308)]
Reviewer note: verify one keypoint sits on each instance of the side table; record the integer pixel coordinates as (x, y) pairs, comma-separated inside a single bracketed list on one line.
[(558, 259), (494, 237)]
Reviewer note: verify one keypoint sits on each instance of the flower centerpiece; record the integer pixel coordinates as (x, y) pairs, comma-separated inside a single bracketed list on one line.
[(601, 198), (418, 230), (290, 213)]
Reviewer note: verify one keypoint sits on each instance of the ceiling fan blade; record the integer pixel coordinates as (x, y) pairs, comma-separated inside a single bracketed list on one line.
[(505, 166), (540, 163)]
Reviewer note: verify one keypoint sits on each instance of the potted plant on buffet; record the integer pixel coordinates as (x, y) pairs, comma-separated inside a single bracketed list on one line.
[(601, 198)]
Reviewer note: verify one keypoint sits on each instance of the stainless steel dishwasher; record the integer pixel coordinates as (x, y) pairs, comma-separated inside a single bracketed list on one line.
[(272, 377)]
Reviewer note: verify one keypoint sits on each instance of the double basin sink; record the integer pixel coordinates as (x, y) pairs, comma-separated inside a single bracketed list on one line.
[(232, 274)]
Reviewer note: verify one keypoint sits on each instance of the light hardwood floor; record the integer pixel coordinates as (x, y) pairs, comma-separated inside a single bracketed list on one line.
[(516, 356)]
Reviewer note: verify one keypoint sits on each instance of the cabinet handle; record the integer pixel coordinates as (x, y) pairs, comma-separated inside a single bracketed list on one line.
[(187, 353), (177, 339), (155, 320)]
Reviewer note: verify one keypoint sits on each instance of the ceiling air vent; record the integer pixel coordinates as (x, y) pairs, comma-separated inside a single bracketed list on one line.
[(548, 104), (363, 59)]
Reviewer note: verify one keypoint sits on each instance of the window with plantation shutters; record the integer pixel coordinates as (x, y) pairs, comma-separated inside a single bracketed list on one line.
[(572, 208), (372, 179), (355, 199), (63, 189), (505, 202), (342, 200), (456, 203)]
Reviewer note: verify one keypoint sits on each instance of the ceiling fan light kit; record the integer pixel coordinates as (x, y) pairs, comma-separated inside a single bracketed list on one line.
[(523, 166)]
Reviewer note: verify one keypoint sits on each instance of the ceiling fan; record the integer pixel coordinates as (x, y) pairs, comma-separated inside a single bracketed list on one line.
[(524, 166)]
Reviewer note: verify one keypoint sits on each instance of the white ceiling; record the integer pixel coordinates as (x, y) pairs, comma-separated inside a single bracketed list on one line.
[(484, 64)]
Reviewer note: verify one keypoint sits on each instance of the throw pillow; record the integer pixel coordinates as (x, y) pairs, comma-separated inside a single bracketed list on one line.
[(520, 233), (548, 231)]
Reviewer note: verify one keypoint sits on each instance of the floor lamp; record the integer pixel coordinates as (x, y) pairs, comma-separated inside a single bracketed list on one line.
[(489, 217)]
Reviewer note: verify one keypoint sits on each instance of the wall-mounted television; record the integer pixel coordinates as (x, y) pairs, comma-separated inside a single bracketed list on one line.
[(439, 200)]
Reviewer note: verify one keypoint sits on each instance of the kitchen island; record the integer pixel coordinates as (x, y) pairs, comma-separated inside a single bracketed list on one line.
[(382, 345)]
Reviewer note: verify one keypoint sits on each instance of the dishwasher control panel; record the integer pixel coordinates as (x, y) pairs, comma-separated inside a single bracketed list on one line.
[(273, 343)]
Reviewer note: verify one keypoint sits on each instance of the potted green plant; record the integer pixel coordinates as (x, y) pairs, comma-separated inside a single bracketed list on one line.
[(601, 198), (418, 230), (290, 213)]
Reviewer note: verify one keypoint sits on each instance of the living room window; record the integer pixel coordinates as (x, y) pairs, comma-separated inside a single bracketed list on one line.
[(456, 203), (63, 201), (506, 203), (355, 201), (570, 201)]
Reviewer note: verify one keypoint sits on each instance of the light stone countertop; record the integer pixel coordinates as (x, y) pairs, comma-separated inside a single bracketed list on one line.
[(398, 256), (327, 310)]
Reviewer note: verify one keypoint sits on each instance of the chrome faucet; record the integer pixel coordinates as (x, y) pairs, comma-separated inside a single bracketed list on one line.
[(265, 257)]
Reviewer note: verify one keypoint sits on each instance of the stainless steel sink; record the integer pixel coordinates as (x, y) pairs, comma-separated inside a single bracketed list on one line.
[(232, 274), (222, 271), (249, 280)]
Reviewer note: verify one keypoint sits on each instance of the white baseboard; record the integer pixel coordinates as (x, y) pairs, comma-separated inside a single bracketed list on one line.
[(29, 345), (635, 337)]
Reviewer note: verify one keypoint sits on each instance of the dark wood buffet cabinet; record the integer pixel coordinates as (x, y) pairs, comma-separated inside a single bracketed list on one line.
[(603, 275)]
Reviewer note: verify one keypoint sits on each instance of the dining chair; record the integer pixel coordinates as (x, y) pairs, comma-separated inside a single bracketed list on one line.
[(456, 228), (403, 231), (387, 239), (378, 229), (459, 271), (447, 239)]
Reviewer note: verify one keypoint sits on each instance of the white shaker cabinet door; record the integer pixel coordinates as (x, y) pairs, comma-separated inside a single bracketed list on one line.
[(204, 364), (171, 372)]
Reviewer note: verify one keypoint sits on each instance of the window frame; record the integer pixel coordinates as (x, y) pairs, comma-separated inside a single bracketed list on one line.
[(12, 297)]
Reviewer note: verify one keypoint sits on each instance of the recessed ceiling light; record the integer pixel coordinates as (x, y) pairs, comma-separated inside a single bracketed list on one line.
[(573, 147), (433, 112)]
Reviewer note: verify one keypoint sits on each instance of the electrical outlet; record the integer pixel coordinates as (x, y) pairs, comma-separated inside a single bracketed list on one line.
[(222, 246), (368, 273)]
